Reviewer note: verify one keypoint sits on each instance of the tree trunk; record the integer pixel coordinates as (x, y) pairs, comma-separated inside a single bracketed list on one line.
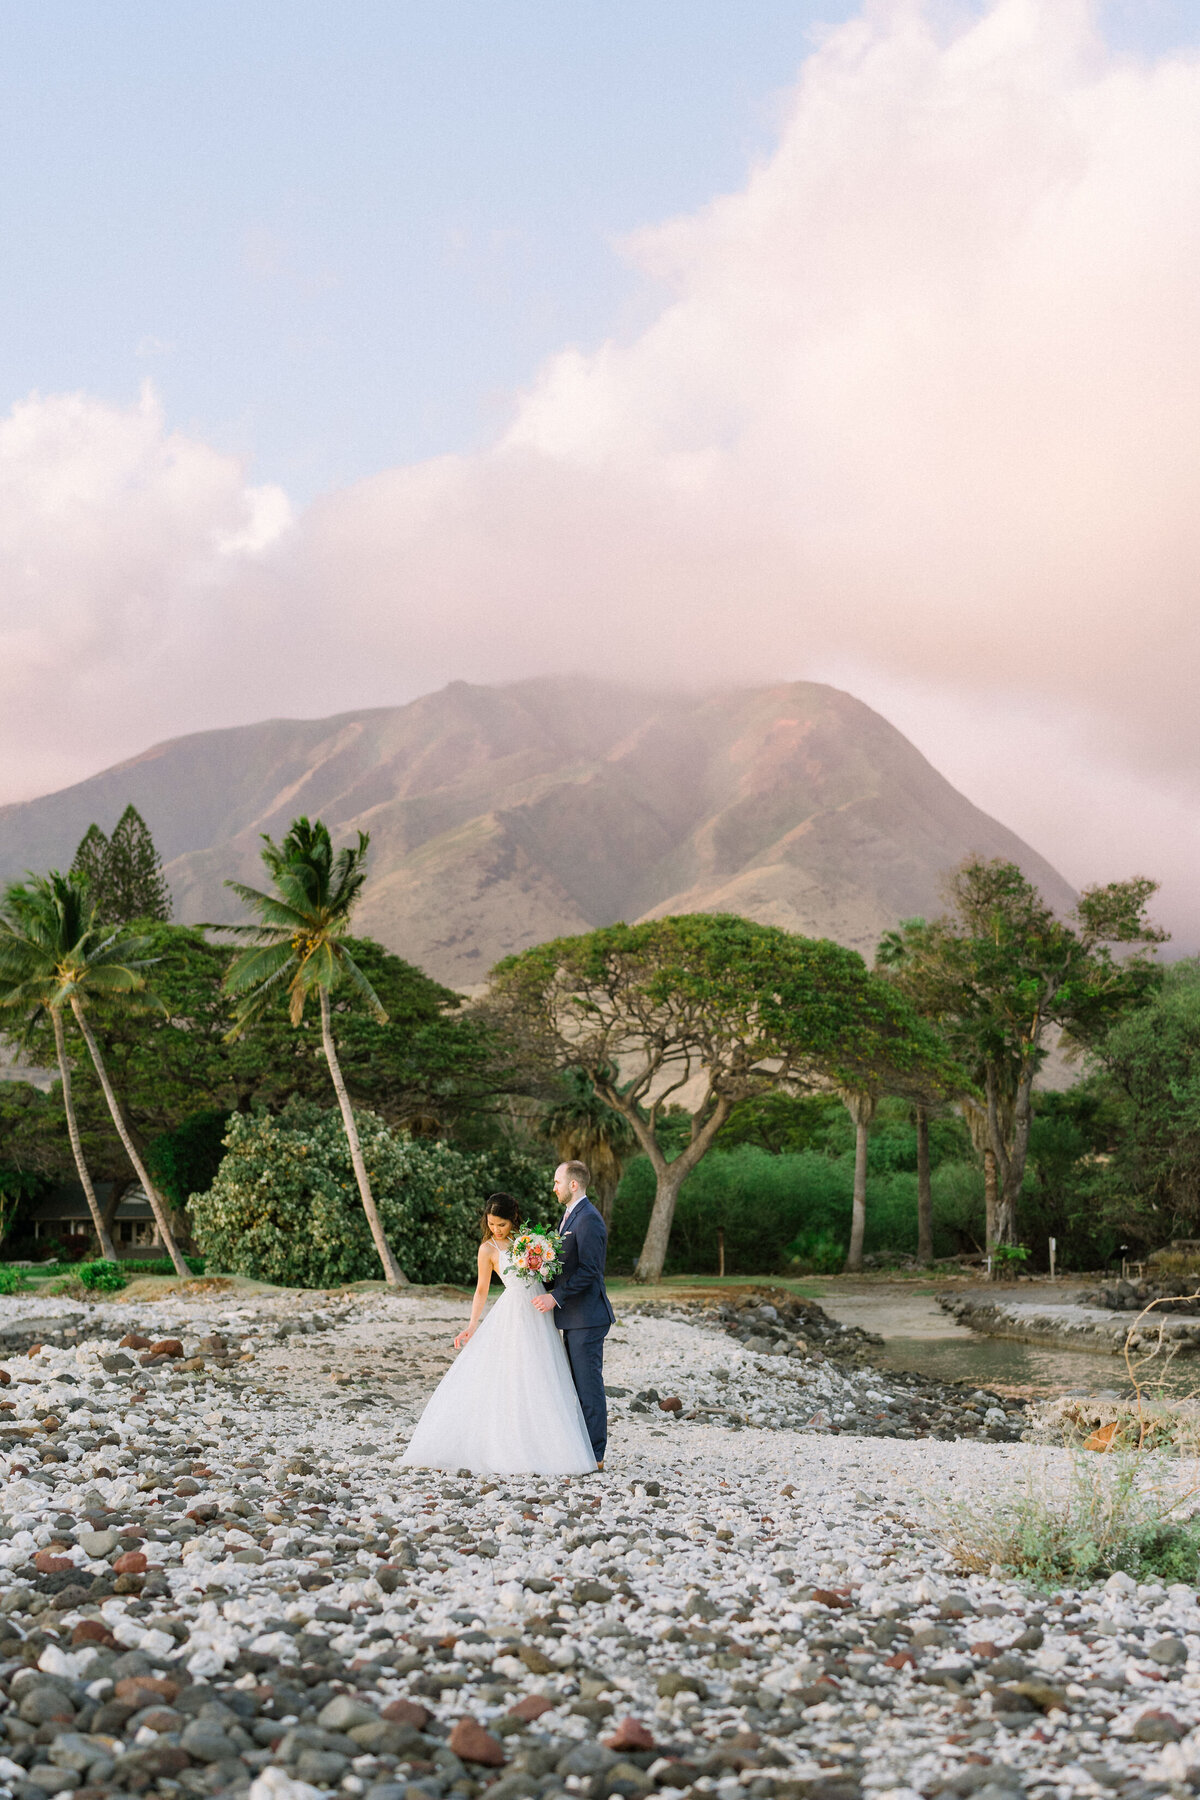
[(861, 1108), (118, 1119), (1014, 1168), (991, 1200), (669, 1177), (64, 1069), (603, 1191), (924, 1189), (393, 1274), (658, 1233)]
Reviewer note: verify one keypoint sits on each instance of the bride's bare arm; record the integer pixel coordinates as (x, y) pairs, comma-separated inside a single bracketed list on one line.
[(486, 1266)]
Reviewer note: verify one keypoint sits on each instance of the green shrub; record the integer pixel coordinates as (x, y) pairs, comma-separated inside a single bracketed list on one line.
[(128, 1265), (159, 1265), (761, 1201), (284, 1206), (11, 1280), (788, 1211), (1116, 1514), (815, 1253), (1010, 1256), (101, 1277)]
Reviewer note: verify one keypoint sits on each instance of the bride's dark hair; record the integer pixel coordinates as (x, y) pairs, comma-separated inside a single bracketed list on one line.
[(499, 1206)]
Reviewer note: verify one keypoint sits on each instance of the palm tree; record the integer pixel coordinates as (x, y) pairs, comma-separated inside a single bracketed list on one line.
[(298, 946), (582, 1127), (54, 954)]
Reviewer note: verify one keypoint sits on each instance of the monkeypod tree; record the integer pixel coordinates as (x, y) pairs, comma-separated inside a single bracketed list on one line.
[(711, 1003), (1003, 975)]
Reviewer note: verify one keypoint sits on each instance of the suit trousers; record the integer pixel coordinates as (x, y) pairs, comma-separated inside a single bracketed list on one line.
[(585, 1353)]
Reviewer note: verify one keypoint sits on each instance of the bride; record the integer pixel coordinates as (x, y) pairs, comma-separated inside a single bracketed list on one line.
[(508, 1405)]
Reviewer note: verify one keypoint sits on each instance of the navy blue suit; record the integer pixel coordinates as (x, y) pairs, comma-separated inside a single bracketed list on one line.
[(583, 1314)]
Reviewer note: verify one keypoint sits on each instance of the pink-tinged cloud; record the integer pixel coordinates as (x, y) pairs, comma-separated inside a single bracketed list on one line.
[(917, 411)]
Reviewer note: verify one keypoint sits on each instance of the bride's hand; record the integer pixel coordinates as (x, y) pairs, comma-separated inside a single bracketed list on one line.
[(464, 1337)]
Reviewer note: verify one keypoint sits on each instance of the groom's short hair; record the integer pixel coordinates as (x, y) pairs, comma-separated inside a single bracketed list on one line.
[(577, 1171)]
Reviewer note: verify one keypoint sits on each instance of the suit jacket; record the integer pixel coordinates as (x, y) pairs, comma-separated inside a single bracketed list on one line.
[(578, 1288)]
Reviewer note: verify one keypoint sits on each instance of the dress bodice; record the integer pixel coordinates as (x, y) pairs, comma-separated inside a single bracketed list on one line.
[(508, 1274)]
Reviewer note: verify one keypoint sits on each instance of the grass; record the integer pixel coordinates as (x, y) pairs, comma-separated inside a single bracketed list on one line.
[(1116, 1513)]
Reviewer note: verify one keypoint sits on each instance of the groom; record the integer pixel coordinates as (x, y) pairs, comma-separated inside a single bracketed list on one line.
[(579, 1301)]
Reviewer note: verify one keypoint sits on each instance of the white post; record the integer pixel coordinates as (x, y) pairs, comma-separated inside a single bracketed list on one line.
[(1053, 1255)]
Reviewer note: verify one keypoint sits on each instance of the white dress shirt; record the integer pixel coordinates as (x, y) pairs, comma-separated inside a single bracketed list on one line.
[(575, 1203)]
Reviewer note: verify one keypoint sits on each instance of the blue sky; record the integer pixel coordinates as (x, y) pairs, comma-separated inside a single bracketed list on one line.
[(338, 238)]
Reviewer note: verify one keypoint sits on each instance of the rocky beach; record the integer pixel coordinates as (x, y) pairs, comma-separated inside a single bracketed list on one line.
[(216, 1575)]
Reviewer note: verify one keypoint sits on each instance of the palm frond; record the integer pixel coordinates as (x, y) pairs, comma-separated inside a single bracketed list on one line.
[(318, 969), (253, 967), (254, 1004), (358, 981), (272, 909)]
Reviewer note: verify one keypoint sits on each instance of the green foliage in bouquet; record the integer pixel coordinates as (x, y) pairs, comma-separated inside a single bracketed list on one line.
[(284, 1206)]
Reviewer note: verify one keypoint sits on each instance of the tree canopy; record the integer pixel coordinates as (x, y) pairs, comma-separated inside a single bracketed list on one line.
[(123, 874), (711, 1003), (1150, 1063), (1002, 975)]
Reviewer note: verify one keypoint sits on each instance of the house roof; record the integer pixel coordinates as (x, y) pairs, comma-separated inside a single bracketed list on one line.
[(68, 1201)]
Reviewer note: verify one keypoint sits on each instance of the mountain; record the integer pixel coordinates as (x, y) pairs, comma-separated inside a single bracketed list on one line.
[(502, 816)]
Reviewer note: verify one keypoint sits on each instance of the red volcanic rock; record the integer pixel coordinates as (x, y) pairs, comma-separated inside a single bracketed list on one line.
[(530, 1708), (167, 1347), (630, 1735), (407, 1712), (132, 1563), (674, 1404), (470, 1741), (132, 1341), (46, 1562), (143, 1690), (93, 1631)]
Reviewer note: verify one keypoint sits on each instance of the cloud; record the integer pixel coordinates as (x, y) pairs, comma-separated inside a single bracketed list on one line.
[(917, 405), (124, 549)]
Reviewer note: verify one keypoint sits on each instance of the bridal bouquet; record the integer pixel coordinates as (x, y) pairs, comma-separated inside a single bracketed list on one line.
[(536, 1255)]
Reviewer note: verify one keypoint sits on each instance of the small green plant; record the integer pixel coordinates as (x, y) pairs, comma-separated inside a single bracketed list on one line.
[(69, 1287), (11, 1280), (1009, 1256), (101, 1277), (1113, 1515), (815, 1253)]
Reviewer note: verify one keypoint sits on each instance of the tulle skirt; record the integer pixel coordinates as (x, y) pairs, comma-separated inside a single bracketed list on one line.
[(507, 1405)]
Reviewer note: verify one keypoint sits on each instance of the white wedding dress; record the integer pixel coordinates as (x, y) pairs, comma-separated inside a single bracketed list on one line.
[(507, 1405)]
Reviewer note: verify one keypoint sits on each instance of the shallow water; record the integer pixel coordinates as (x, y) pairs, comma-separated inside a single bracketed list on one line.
[(919, 1337)]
